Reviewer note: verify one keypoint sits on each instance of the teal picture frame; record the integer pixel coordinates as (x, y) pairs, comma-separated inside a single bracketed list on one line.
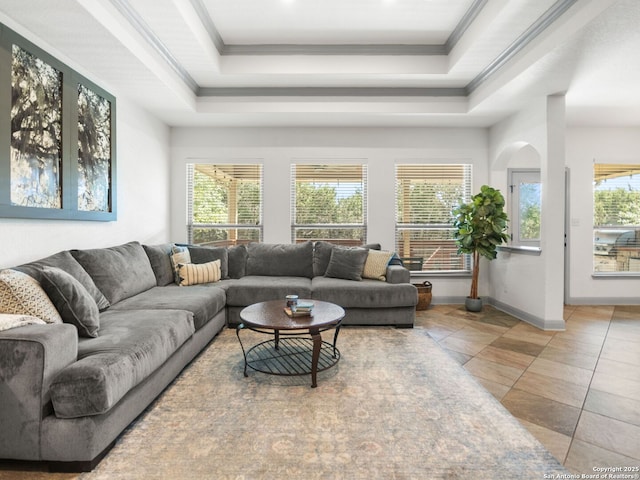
[(83, 134)]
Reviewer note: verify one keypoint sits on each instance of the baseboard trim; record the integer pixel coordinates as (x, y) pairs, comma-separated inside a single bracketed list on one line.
[(603, 301), (549, 325), (538, 322)]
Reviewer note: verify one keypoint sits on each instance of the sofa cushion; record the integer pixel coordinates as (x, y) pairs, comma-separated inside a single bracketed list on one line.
[(21, 294), (347, 263), (131, 345), (65, 261), (204, 301), (160, 262), (254, 288), (200, 254), (237, 261), (72, 300), (280, 259), (198, 273), (119, 272), (364, 294), (375, 267)]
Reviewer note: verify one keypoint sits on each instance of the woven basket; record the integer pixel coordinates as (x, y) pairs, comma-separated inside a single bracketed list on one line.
[(424, 295)]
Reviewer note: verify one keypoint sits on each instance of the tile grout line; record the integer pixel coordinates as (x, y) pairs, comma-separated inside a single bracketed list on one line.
[(595, 367)]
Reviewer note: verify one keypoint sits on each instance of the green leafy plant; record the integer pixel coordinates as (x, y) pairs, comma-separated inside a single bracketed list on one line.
[(480, 226)]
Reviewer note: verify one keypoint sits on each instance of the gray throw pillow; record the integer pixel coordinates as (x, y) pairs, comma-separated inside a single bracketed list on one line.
[(321, 257), (237, 261), (347, 263), (160, 262), (64, 261), (72, 300)]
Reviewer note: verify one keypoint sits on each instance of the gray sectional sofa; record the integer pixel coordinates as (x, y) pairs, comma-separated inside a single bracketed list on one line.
[(67, 390)]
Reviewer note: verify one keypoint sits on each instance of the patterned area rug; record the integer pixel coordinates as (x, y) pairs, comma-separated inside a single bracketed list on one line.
[(395, 407)]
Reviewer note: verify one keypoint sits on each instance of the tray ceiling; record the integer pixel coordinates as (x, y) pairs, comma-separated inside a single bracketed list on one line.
[(343, 62)]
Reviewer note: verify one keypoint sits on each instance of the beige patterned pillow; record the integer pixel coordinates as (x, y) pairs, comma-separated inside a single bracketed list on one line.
[(375, 266), (195, 273), (20, 294)]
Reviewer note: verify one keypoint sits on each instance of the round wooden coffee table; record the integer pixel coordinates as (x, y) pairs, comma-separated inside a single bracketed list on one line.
[(294, 353)]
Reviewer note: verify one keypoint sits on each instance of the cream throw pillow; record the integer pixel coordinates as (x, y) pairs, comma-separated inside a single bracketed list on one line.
[(21, 294), (195, 273), (375, 266), (9, 320)]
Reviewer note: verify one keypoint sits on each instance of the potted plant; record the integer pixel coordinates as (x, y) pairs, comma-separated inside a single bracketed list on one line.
[(480, 227)]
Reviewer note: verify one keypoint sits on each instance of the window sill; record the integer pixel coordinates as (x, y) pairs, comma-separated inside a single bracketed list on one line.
[(418, 275), (520, 250), (615, 275)]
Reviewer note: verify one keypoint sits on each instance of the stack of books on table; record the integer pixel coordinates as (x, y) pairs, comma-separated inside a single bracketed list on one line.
[(303, 309)]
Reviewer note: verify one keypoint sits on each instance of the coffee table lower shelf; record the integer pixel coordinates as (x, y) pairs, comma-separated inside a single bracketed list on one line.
[(292, 357)]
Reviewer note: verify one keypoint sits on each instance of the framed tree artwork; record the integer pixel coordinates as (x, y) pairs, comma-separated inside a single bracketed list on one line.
[(57, 149), (36, 132), (95, 167)]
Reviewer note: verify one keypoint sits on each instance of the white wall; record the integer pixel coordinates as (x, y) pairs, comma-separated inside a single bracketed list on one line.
[(586, 146), (142, 198), (277, 148), (528, 286)]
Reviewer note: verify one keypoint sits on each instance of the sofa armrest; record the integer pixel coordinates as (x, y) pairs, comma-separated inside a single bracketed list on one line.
[(398, 274), (30, 357)]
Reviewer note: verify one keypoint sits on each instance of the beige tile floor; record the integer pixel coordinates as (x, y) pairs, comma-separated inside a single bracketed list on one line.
[(577, 391)]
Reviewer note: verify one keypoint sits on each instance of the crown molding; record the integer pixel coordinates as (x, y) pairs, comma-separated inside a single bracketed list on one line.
[(464, 23), (330, 92), (208, 24), (125, 9), (340, 49), (536, 28)]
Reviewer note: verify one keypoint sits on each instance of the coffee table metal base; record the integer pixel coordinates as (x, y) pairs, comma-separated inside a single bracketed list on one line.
[(291, 355)]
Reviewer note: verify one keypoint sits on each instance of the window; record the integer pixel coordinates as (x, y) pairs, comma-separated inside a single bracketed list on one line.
[(328, 202), (616, 218), (425, 196), (224, 204), (525, 190)]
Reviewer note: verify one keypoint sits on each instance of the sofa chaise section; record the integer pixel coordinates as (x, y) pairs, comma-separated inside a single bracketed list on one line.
[(70, 392), (368, 302)]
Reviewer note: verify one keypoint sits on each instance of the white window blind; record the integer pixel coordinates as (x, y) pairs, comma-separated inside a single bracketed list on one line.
[(425, 196), (616, 218), (328, 202), (224, 203)]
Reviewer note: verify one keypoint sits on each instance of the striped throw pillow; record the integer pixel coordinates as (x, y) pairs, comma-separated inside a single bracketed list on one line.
[(195, 273)]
